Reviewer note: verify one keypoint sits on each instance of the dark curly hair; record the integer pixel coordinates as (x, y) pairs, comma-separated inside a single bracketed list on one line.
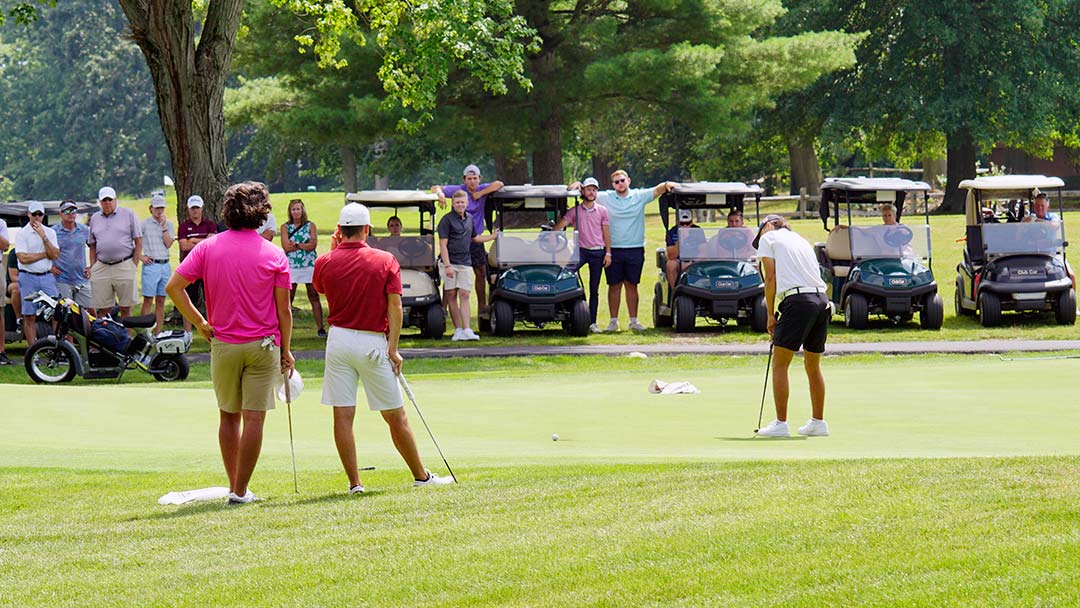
[(245, 206)]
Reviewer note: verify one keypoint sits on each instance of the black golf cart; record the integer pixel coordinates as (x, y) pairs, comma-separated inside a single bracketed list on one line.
[(532, 270), (718, 277), (878, 269), (415, 253), (1013, 261)]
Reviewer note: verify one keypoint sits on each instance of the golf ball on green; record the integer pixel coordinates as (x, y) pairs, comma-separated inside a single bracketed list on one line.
[(554, 436)]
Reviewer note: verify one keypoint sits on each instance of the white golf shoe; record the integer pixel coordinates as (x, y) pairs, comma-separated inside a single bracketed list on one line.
[(635, 325), (469, 334), (433, 480), (232, 499), (458, 336), (774, 429), (814, 428), (594, 328), (613, 326), (357, 489)]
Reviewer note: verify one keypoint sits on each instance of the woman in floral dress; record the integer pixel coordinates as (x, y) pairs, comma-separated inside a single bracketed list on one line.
[(299, 239)]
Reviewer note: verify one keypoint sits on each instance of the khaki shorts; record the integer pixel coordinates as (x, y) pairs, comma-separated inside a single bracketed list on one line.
[(359, 356), (245, 376), (3, 281), (463, 277), (113, 284)]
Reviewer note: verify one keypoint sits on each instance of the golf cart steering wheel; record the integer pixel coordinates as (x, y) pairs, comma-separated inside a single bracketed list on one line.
[(413, 247), (552, 242), (898, 236), (733, 239)]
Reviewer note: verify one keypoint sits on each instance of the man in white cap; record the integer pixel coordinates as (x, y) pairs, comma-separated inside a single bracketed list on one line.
[(158, 236), (593, 230), (191, 232), (115, 249), (671, 241), (36, 247), (362, 286), (70, 268), (477, 193), (792, 275)]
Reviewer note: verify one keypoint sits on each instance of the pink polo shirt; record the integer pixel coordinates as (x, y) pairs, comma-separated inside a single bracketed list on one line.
[(240, 270), (587, 223)]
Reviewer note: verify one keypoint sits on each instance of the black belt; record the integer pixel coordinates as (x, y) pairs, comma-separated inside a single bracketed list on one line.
[(36, 274), (116, 262), (160, 261)]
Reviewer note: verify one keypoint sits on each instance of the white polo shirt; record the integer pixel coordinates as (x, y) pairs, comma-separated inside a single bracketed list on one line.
[(796, 264), (27, 241)]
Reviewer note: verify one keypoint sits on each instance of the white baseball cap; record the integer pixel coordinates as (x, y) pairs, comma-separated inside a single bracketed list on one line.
[(590, 181), (36, 207), (157, 200), (194, 201), (106, 192), (471, 170), (354, 214)]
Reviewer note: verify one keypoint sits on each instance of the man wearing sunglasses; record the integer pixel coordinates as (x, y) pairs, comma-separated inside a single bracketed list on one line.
[(70, 268), (115, 250), (35, 247)]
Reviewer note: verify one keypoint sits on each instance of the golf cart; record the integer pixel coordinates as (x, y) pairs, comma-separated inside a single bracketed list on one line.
[(1010, 263), (878, 269), (531, 269), (718, 277), (415, 254)]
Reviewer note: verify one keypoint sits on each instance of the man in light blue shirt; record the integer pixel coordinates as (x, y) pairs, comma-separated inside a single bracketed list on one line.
[(70, 268), (626, 212)]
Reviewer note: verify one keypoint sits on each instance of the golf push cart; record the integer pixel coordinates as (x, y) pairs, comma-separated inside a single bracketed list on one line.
[(1010, 263), (718, 277), (415, 254), (878, 269), (533, 270)]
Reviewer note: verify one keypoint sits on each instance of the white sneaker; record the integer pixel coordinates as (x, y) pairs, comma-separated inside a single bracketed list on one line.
[(594, 328), (433, 480), (357, 489), (774, 429), (469, 334), (232, 499), (815, 428), (458, 336), (636, 326), (613, 326)]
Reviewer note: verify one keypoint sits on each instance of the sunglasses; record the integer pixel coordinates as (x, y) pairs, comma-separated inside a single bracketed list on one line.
[(37, 214), (619, 181), (68, 212)]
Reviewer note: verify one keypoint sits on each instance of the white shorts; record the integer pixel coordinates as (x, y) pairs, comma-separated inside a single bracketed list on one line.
[(301, 276), (359, 356)]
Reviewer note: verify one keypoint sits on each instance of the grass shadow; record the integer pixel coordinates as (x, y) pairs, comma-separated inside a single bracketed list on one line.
[(763, 439)]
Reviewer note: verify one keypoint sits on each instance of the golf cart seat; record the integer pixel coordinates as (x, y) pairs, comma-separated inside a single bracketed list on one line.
[(139, 322), (838, 248)]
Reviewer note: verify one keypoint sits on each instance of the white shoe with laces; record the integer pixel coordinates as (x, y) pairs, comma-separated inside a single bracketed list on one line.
[(613, 326), (232, 499), (594, 328), (357, 489), (469, 334), (433, 480), (458, 336), (775, 429), (635, 325), (814, 428)]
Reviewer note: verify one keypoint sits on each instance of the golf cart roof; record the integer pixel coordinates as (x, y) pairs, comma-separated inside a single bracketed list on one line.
[(530, 191), (718, 188), (874, 184), (1012, 182), (391, 198), (14, 212)]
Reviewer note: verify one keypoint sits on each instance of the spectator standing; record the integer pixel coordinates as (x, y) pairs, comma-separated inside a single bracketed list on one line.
[(5, 242), (593, 230), (299, 239), (192, 231), (158, 236), (36, 247), (115, 248), (249, 326), (70, 269), (455, 237)]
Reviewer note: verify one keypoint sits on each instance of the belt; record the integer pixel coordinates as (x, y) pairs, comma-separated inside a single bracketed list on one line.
[(36, 274), (797, 290), (160, 261), (116, 262)]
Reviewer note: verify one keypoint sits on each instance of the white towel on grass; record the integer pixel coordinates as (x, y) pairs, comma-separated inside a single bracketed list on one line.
[(180, 498), (659, 387)]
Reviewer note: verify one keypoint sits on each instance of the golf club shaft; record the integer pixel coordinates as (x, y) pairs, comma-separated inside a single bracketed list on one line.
[(408, 391), (764, 387), (292, 447)]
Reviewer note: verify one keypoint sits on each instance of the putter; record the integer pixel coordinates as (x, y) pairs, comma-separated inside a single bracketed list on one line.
[(761, 410), (408, 391), (292, 446)]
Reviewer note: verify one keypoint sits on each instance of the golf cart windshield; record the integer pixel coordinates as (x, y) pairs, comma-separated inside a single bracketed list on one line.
[(894, 241), (1033, 237), (705, 244), (410, 251), (559, 248)]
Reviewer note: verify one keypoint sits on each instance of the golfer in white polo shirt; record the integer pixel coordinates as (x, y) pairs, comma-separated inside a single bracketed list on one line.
[(793, 286)]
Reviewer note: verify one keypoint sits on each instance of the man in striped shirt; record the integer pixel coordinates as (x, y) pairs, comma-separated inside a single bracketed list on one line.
[(158, 236)]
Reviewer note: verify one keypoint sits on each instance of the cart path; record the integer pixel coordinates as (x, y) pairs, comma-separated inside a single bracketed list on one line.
[(853, 348)]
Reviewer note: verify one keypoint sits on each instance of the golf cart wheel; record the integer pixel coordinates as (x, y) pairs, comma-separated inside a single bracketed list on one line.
[(685, 314), (170, 368), (759, 315), (933, 312), (856, 311), (989, 309), (434, 322), (502, 319), (578, 324), (48, 363), (1065, 310), (659, 320)]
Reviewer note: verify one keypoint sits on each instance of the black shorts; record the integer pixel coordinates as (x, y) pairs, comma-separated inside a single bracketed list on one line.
[(479, 255), (626, 265), (803, 322)]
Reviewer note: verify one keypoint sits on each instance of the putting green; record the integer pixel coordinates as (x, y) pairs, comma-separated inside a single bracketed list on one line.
[(878, 407)]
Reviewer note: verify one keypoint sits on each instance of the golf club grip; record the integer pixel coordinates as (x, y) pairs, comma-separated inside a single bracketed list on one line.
[(288, 396)]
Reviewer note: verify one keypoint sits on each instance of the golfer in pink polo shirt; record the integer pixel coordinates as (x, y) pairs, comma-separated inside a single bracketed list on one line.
[(250, 324)]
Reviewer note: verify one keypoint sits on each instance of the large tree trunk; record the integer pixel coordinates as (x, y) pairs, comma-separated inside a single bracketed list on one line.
[(547, 157), (348, 168), (960, 166), (933, 168), (601, 170), (805, 170), (511, 170), (189, 82)]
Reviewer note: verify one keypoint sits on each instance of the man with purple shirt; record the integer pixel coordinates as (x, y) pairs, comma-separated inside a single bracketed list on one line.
[(590, 222), (477, 193)]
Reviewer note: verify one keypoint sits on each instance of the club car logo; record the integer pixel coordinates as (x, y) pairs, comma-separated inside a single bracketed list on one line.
[(722, 284), (541, 288), (1029, 272), (897, 281)]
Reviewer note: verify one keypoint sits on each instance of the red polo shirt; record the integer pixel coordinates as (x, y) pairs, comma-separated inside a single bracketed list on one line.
[(355, 279)]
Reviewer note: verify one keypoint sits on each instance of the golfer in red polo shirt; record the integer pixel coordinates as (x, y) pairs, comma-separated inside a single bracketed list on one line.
[(362, 286)]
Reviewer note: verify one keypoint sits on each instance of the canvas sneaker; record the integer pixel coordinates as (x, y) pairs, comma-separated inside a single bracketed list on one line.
[(775, 429), (357, 489), (433, 480), (636, 326), (469, 334), (594, 328), (232, 499), (613, 326), (458, 336), (815, 428)]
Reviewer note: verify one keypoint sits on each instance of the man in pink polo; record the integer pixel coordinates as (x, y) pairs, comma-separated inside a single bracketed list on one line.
[(590, 221), (362, 286), (246, 281)]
